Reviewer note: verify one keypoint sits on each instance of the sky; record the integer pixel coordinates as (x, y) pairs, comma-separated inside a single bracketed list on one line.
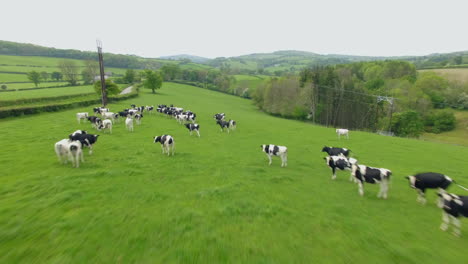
[(218, 28)]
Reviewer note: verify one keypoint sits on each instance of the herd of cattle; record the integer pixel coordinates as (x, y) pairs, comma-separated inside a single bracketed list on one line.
[(454, 206)]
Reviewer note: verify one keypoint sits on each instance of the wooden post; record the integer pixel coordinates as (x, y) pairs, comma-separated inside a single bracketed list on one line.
[(103, 79)]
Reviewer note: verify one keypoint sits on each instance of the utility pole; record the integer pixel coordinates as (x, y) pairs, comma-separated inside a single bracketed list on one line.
[(390, 100), (101, 68)]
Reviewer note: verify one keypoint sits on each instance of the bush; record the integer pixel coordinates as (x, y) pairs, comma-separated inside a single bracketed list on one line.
[(407, 124), (440, 121), (4, 87), (111, 87)]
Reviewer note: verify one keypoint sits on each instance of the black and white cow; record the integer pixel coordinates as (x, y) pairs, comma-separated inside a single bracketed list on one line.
[(149, 109), (454, 206), (273, 150), (193, 127), (87, 140), (219, 116), (69, 150), (223, 124), (339, 162), (106, 124), (167, 143), (124, 113), (428, 180), (80, 116), (232, 124), (138, 118), (78, 132), (95, 121), (363, 174), (333, 151)]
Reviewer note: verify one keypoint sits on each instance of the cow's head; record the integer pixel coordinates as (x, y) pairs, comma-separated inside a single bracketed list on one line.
[(157, 139), (412, 181), (325, 149)]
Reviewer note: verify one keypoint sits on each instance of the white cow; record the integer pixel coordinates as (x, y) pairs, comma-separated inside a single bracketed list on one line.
[(106, 124), (342, 131), (129, 123), (80, 116)]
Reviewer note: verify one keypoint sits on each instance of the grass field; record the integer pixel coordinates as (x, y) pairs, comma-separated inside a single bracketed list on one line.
[(47, 92), (8, 77), (460, 75), (12, 86), (216, 200)]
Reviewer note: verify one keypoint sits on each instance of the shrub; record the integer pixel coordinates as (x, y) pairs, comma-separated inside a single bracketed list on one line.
[(407, 124), (111, 87), (4, 87), (440, 121)]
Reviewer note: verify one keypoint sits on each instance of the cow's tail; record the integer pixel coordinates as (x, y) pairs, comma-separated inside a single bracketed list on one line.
[(464, 188)]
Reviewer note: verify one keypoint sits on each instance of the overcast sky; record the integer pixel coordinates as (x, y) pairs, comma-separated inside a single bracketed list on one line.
[(215, 28)]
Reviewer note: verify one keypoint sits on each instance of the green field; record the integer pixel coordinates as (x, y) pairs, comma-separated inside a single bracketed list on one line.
[(216, 200), (459, 75), (12, 86), (9, 77), (47, 92)]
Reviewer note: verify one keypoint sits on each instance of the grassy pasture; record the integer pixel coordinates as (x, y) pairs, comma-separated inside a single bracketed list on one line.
[(47, 92), (216, 200), (31, 85), (9, 77), (460, 75)]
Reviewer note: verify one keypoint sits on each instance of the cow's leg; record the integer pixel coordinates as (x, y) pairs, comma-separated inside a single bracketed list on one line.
[(445, 221), (421, 197), (347, 135), (361, 188), (285, 159), (333, 173), (81, 155), (456, 225), (190, 132), (269, 157), (385, 190), (351, 178), (198, 132), (162, 147)]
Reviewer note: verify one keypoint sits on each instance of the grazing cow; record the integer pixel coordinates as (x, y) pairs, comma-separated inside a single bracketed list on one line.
[(342, 131), (75, 153), (363, 173), (167, 143), (107, 115), (95, 121), (124, 113), (181, 118), (453, 207), (223, 124), (332, 151), (87, 140), (132, 111), (192, 127), (138, 118), (219, 116), (149, 109), (428, 180), (133, 105), (100, 110), (129, 123), (80, 116), (232, 124), (273, 150), (106, 124), (339, 162)]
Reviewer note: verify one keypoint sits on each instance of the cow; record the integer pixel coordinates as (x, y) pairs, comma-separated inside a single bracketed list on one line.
[(106, 124), (219, 116), (192, 127), (363, 174), (223, 124), (61, 149), (332, 151), (428, 180), (80, 116), (167, 143), (75, 153), (273, 150), (339, 162), (342, 131), (87, 140), (95, 121), (100, 110), (107, 115), (138, 118), (149, 109), (129, 123), (232, 124), (454, 206), (78, 132)]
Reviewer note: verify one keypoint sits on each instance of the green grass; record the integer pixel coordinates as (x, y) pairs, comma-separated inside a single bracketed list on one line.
[(9, 77), (46, 92), (12, 86), (459, 75), (216, 200)]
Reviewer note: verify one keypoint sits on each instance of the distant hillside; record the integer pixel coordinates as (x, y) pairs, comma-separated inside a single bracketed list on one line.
[(193, 58)]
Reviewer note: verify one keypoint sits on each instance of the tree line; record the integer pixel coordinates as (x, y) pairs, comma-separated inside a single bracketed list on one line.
[(374, 96)]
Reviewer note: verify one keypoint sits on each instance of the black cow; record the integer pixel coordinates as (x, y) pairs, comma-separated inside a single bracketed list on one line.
[(167, 143), (87, 140), (193, 127), (428, 180), (381, 176), (332, 151), (338, 162), (454, 206), (223, 124)]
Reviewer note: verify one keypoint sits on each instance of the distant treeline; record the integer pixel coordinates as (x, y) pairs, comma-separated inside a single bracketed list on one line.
[(381, 95)]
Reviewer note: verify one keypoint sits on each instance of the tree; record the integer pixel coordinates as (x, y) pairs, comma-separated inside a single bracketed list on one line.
[(57, 76), (44, 76), (4, 86), (170, 71), (34, 77), (90, 71), (153, 80), (129, 76), (407, 124), (69, 71), (111, 87)]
